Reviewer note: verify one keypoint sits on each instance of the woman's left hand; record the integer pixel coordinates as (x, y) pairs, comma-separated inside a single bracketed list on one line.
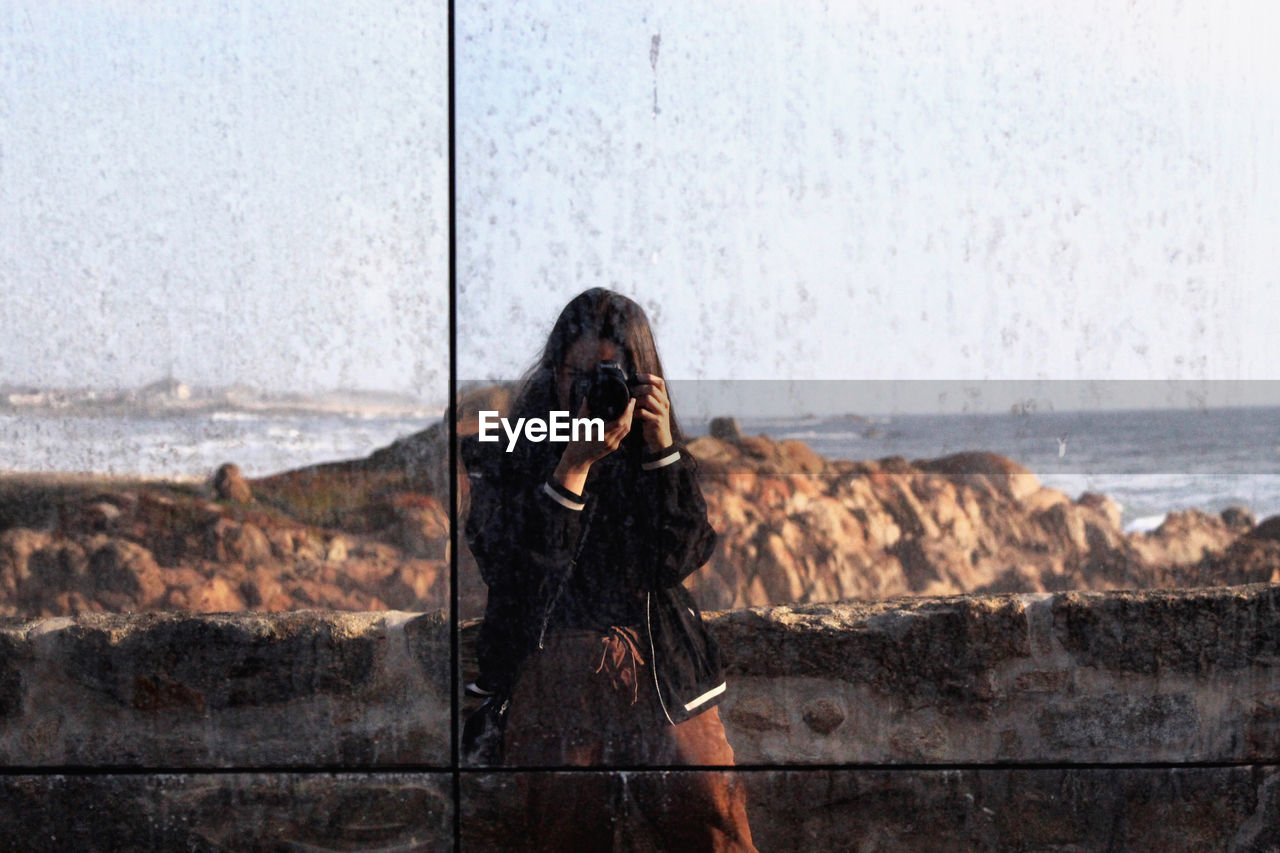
[(653, 410)]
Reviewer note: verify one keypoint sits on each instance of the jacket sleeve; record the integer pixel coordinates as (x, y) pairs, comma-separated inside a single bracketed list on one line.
[(680, 538), (523, 535), (522, 529)]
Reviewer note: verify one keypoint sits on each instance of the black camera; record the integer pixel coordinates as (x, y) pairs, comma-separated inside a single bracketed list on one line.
[(606, 391)]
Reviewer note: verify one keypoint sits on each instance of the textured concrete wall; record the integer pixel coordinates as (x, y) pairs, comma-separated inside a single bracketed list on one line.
[(1169, 676), (965, 809), (302, 689), (1094, 719), (1156, 809), (404, 812)]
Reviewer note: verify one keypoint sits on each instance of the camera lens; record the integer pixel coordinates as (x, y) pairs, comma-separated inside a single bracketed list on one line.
[(609, 392)]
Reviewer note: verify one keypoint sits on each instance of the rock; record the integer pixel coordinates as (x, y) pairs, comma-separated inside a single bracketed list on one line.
[(792, 527), (490, 398), (1247, 560), (757, 447), (1238, 518), (422, 459), (1043, 500), (336, 549), (778, 570), (260, 590), (217, 595), (1105, 506), (1021, 578), (1268, 530), (801, 457), (99, 517), (126, 570), (421, 526), (1005, 475), (71, 603), (725, 429), (967, 522), (378, 552), (1065, 528), (759, 714), (741, 481), (823, 716), (292, 545), (409, 587), (57, 567), (230, 485), (1187, 537), (240, 542), (181, 583), (16, 547), (712, 453)]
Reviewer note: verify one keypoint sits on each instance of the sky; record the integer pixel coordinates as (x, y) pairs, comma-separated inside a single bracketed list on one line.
[(250, 193), (226, 192), (954, 190)]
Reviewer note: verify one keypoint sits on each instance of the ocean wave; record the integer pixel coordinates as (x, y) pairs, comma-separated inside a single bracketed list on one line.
[(1145, 524), (236, 416), (816, 435), (1263, 515)]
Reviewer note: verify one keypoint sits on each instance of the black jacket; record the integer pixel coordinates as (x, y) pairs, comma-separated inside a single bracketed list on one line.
[(615, 555)]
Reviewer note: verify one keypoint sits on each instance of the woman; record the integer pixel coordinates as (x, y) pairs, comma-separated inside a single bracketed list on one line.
[(587, 629)]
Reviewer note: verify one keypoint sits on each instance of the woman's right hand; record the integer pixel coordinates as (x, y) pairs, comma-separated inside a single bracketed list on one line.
[(579, 456)]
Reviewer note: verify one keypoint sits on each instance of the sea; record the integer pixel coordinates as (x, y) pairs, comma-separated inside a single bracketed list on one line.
[(1150, 461), (190, 446)]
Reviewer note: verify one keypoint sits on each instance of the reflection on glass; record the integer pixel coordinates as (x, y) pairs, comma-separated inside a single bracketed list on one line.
[(591, 650), (899, 193), (222, 295)]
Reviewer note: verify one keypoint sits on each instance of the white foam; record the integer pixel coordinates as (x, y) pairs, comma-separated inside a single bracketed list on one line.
[(1145, 524), (814, 435), (235, 416)]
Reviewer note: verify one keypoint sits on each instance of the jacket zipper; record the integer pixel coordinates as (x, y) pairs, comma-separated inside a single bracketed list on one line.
[(653, 656)]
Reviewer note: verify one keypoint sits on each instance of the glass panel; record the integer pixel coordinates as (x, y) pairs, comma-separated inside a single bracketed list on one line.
[(950, 299), (917, 809), (228, 811), (223, 242)]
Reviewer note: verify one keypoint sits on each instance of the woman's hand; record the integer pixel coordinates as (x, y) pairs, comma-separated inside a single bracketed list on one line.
[(654, 410), (579, 456)]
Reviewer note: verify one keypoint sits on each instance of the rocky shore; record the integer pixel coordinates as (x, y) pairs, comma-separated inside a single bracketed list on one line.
[(348, 536), (794, 527)]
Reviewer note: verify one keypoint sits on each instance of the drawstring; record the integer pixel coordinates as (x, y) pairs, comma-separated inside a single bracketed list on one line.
[(623, 646)]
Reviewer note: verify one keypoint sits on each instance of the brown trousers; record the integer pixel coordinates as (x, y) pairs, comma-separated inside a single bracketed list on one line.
[(587, 701)]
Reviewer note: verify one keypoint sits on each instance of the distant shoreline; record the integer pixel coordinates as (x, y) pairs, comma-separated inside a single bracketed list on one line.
[(170, 398), (133, 410)]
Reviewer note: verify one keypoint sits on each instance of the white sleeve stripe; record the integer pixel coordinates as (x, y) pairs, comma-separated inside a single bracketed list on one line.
[(705, 697), (661, 463), (562, 500)]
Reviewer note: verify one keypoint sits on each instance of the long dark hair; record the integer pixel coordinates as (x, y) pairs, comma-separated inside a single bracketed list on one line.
[(598, 314)]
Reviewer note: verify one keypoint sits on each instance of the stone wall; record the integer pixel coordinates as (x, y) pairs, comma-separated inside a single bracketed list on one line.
[(1167, 676), (1137, 720)]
